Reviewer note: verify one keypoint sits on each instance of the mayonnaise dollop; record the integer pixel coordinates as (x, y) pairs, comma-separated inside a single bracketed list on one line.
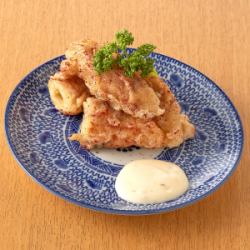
[(151, 181)]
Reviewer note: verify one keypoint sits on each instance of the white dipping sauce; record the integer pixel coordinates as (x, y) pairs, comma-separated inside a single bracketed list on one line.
[(151, 181)]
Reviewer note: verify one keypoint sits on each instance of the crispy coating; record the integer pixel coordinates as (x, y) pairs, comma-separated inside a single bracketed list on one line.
[(176, 126), (68, 95), (103, 126), (131, 95)]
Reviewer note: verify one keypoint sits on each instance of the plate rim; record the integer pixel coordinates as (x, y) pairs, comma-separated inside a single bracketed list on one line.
[(117, 211)]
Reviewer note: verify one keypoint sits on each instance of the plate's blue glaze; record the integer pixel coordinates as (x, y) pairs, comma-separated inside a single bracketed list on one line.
[(38, 134)]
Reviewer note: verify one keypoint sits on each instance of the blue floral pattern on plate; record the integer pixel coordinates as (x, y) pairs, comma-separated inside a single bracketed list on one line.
[(38, 137)]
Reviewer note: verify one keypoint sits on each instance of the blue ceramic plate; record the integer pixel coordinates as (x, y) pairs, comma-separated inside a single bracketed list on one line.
[(38, 136)]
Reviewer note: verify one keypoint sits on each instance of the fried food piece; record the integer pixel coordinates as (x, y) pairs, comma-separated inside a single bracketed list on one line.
[(103, 126), (176, 126), (68, 95), (130, 94)]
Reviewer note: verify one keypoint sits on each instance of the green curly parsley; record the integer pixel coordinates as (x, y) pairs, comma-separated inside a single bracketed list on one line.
[(115, 53), (124, 39)]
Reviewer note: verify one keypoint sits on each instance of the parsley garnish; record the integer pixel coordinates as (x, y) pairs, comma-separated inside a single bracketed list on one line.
[(115, 53)]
